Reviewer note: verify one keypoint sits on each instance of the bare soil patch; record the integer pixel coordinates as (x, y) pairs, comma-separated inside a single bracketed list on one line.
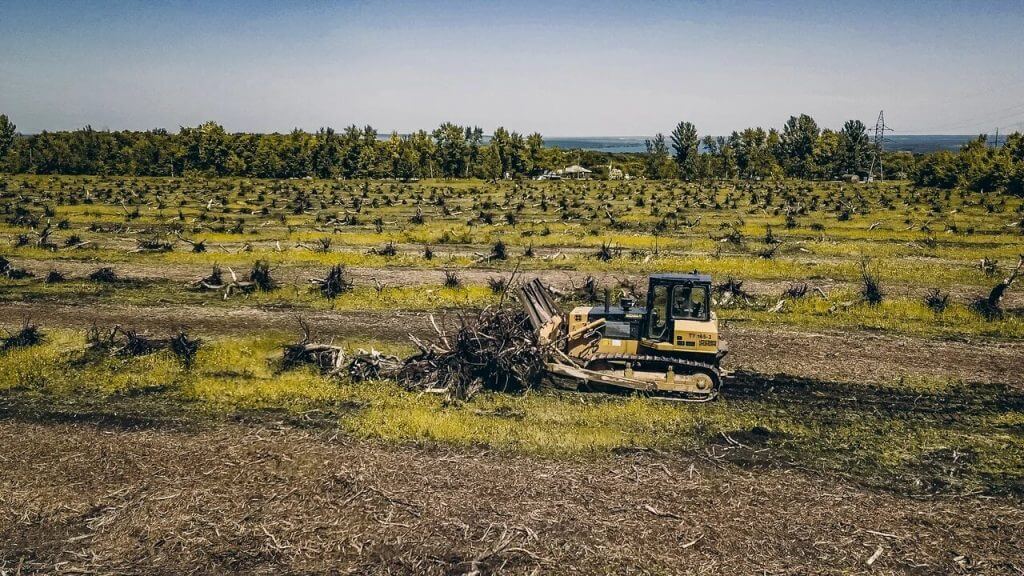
[(263, 499)]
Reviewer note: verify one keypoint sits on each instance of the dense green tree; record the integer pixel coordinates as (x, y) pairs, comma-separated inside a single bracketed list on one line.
[(535, 153), (719, 159), (474, 142), (451, 150), (326, 155), (798, 140), (977, 166), (204, 148), (151, 153), (1014, 147), (685, 146), (7, 133), (426, 151), (754, 158), (856, 148), (490, 163), (657, 164), (938, 170), (407, 165), (512, 151), (829, 155)]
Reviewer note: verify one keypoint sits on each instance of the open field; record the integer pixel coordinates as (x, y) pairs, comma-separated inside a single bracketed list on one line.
[(845, 427)]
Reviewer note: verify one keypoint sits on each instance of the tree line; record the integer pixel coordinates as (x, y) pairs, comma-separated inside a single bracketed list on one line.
[(978, 166), (801, 149), (450, 151)]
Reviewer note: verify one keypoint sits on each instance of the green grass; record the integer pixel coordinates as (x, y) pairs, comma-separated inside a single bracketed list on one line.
[(899, 448)]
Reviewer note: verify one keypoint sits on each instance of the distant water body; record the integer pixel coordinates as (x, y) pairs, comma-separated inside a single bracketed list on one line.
[(906, 142)]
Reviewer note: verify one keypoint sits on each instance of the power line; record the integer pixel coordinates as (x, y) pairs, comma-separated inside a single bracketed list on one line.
[(878, 141)]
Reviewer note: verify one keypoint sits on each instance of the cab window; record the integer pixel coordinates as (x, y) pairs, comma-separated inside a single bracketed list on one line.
[(690, 302), (659, 312)]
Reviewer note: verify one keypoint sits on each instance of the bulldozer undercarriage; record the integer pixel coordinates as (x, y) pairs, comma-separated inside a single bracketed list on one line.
[(655, 376)]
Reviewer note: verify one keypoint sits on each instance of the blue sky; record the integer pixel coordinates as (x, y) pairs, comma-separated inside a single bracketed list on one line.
[(564, 69)]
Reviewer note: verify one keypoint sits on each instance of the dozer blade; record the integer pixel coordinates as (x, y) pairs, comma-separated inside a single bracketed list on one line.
[(545, 318), (538, 304)]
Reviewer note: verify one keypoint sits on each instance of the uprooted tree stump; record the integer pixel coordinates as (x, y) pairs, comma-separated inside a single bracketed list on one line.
[(732, 290), (260, 275), (259, 279), (198, 247), (331, 360), (152, 245), (11, 272), (871, 287), (335, 283), (105, 275), (328, 358), (991, 306), (118, 341), (54, 277), (213, 282), (29, 335)]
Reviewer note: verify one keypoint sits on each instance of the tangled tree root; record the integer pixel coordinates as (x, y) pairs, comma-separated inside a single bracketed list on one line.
[(8, 270), (332, 360), (29, 335), (334, 284), (128, 343), (497, 350), (732, 290), (991, 307)]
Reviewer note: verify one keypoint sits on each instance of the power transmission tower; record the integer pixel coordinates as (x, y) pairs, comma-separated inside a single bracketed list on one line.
[(879, 147)]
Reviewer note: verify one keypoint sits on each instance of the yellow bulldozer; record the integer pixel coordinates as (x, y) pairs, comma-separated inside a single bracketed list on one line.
[(669, 347)]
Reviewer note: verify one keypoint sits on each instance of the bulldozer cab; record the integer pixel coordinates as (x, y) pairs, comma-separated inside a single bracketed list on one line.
[(672, 297)]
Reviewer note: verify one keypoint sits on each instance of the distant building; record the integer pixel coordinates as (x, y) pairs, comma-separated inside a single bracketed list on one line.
[(575, 172), (615, 173)]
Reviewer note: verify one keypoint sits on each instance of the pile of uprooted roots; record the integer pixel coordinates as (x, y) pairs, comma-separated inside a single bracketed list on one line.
[(334, 361), (495, 350)]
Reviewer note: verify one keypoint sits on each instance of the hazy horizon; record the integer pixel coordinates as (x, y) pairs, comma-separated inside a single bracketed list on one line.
[(567, 70)]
